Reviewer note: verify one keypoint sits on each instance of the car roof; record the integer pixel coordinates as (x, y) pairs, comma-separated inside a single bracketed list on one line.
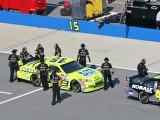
[(31, 64), (54, 60), (58, 60), (137, 79)]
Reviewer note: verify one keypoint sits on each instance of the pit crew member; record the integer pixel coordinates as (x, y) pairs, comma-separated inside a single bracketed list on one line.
[(142, 69), (107, 70), (82, 53), (56, 81), (42, 69), (13, 64), (25, 56), (39, 52), (57, 50)]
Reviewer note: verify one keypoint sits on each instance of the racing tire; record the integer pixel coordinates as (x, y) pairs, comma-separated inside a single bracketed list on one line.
[(19, 79), (35, 81), (65, 12), (75, 86), (143, 97), (44, 13)]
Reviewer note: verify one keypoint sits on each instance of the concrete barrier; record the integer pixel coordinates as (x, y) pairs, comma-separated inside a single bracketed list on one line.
[(80, 26)]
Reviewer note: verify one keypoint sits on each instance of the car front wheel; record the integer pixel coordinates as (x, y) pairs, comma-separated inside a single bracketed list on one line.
[(75, 86), (35, 81)]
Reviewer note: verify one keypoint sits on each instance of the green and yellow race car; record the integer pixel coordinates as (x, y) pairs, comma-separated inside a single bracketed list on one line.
[(76, 77)]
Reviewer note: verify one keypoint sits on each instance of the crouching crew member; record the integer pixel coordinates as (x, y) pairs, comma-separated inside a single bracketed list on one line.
[(82, 53), (24, 55), (39, 52), (107, 70), (57, 50), (142, 69), (56, 82), (42, 69), (13, 64)]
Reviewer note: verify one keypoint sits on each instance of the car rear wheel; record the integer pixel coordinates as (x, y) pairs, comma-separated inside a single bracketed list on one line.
[(35, 81), (75, 86), (143, 97), (18, 79)]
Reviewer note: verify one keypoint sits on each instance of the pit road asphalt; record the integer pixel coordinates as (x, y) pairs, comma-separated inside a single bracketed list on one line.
[(103, 105)]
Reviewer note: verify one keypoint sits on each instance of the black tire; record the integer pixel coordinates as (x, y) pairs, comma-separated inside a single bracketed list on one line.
[(143, 97), (75, 86), (19, 79), (35, 81), (65, 12), (44, 13), (114, 19)]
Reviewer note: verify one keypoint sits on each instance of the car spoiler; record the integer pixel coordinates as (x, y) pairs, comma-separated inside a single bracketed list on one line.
[(157, 76), (129, 79)]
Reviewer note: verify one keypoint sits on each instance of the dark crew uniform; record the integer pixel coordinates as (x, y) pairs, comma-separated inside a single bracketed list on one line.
[(142, 70), (57, 52), (13, 64), (43, 68), (106, 71), (82, 53), (56, 88), (39, 53), (24, 56)]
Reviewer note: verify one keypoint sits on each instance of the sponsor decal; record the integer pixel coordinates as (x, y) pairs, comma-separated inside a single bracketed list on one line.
[(28, 70), (146, 89), (81, 81), (65, 78), (129, 11), (87, 72), (130, 92), (97, 78), (154, 7)]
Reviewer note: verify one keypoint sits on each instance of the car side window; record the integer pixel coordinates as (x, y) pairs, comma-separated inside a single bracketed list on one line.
[(149, 83), (54, 68)]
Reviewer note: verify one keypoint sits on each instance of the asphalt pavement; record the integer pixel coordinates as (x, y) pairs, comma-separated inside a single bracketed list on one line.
[(103, 105), (22, 101), (122, 52)]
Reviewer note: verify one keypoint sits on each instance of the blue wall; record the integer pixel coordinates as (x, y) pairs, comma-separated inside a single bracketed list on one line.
[(80, 26)]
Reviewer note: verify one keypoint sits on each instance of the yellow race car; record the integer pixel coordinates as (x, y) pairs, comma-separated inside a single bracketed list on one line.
[(76, 77)]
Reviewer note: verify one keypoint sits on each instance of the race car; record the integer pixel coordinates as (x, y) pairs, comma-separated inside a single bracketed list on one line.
[(76, 77), (146, 89)]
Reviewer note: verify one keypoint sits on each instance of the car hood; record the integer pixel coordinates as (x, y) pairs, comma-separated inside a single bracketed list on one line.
[(86, 73)]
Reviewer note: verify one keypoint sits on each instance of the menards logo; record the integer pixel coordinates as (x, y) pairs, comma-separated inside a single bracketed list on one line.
[(139, 87), (28, 70)]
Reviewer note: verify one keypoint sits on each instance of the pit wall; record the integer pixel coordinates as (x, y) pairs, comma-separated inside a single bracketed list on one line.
[(80, 26)]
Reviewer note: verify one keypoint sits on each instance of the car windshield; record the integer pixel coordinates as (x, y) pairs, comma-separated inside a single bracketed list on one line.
[(71, 67), (139, 80)]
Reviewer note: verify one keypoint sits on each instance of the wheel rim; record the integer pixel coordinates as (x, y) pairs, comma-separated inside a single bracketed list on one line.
[(75, 86), (143, 98), (35, 82)]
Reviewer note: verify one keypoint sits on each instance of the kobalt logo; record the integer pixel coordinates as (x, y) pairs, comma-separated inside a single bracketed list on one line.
[(146, 89)]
